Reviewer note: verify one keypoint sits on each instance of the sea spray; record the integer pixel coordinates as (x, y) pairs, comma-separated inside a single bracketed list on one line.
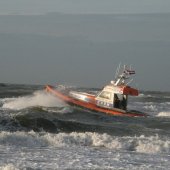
[(9, 167), (38, 98), (141, 144), (163, 114)]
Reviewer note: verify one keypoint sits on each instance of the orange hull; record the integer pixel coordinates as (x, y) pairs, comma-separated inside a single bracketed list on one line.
[(91, 106)]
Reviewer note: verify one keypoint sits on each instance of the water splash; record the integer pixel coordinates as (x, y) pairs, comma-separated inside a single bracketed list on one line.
[(163, 114), (141, 144), (8, 167), (38, 98)]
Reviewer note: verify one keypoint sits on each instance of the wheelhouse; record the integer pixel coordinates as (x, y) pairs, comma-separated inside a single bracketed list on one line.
[(115, 96)]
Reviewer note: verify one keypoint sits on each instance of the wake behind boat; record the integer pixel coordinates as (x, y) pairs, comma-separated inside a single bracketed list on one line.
[(112, 99)]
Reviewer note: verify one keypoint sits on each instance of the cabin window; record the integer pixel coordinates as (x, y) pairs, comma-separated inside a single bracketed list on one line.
[(105, 95)]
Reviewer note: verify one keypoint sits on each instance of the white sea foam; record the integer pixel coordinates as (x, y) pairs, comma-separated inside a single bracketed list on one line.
[(145, 95), (141, 95), (8, 167), (153, 144), (38, 98), (62, 110), (142, 144), (151, 107), (163, 114)]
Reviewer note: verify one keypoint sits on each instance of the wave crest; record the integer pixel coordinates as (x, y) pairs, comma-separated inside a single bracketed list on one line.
[(142, 144), (163, 114), (38, 98), (8, 167)]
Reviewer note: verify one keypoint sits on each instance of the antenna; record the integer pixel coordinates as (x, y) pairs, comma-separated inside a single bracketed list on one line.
[(124, 75), (117, 71)]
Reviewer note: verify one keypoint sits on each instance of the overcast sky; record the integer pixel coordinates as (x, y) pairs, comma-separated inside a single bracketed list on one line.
[(85, 50), (84, 6)]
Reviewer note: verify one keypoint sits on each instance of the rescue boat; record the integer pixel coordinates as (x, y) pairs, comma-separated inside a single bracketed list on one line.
[(112, 99)]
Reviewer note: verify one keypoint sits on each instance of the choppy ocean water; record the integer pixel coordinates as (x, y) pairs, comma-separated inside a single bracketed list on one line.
[(38, 131)]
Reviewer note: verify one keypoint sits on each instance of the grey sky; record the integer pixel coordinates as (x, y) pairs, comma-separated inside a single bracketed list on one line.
[(84, 50), (84, 6)]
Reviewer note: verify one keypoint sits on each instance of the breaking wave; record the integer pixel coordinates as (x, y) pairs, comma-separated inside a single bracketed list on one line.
[(163, 114), (8, 167), (142, 144), (38, 98)]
